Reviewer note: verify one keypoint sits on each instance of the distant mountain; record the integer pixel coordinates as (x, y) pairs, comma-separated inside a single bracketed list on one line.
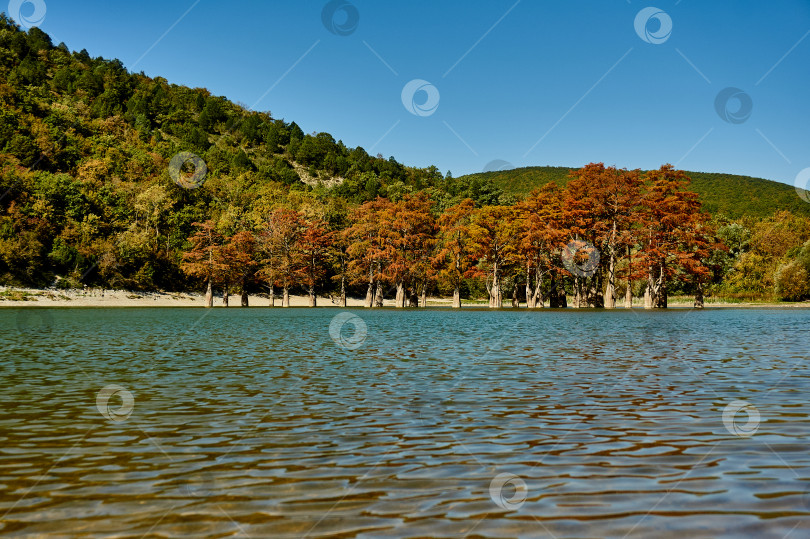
[(729, 194)]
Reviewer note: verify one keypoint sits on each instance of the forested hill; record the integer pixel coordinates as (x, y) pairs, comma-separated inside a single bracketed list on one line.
[(728, 194), (85, 148)]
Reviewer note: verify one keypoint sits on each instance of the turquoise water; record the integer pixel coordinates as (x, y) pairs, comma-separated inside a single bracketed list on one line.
[(260, 423)]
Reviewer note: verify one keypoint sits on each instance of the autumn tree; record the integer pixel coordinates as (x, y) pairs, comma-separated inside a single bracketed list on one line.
[(495, 233), (279, 244), (204, 259), (669, 241), (312, 253), (241, 264), (368, 247), (456, 247), (541, 235), (408, 234), (605, 200)]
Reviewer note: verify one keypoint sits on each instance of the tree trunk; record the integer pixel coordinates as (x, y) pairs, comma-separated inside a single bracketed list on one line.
[(244, 298), (495, 294), (628, 294), (378, 296), (342, 291), (515, 302), (272, 296), (225, 296), (399, 301), (209, 294), (423, 303), (413, 300), (662, 289), (370, 294), (610, 289), (456, 298), (313, 299), (285, 298), (699, 296)]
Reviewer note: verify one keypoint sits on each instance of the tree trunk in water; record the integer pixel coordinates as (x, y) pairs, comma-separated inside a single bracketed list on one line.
[(225, 297), (423, 302), (456, 298), (244, 298), (413, 300), (662, 290), (610, 290), (515, 302), (343, 291), (577, 292), (495, 295), (370, 295), (628, 295), (399, 301), (272, 296), (313, 299), (378, 297), (699, 296), (285, 298), (209, 294)]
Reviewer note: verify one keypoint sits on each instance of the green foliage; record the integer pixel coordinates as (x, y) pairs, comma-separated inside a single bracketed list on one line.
[(731, 195)]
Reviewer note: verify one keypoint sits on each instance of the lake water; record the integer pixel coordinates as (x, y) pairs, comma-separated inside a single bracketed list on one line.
[(431, 423)]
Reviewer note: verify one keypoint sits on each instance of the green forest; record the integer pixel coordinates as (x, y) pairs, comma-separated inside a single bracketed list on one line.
[(91, 196)]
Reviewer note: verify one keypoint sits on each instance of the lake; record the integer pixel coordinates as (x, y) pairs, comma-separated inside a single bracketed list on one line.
[(415, 423)]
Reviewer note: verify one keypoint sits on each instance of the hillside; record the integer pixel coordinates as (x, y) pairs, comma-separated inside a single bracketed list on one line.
[(85, 183), (731, 195)]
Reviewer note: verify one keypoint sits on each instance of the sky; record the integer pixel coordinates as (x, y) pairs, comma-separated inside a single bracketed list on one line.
[(719, 86)]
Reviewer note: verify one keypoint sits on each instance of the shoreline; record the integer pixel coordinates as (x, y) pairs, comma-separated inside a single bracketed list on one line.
[(96, 297)]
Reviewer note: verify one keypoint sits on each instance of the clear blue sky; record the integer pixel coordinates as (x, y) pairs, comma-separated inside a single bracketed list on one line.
[(532, 83)]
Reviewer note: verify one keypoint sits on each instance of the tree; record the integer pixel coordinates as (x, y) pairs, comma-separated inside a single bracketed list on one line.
[(313, 251), (456, 256), (605, 201), (239, 258), (279, 239), (541, 235), (670, 236), (204, 259), (368, 247), (495, 233), (408, 231)]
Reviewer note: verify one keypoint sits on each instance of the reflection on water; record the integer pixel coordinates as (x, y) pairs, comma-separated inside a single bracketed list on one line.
[(447, 424)]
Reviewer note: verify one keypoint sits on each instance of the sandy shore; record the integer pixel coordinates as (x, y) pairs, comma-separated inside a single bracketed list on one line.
[(96, 297)]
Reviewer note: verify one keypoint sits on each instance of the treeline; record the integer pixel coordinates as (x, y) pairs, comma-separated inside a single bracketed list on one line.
[(607, 225)]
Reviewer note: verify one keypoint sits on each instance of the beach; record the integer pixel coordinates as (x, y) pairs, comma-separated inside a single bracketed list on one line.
[(97, 297)]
